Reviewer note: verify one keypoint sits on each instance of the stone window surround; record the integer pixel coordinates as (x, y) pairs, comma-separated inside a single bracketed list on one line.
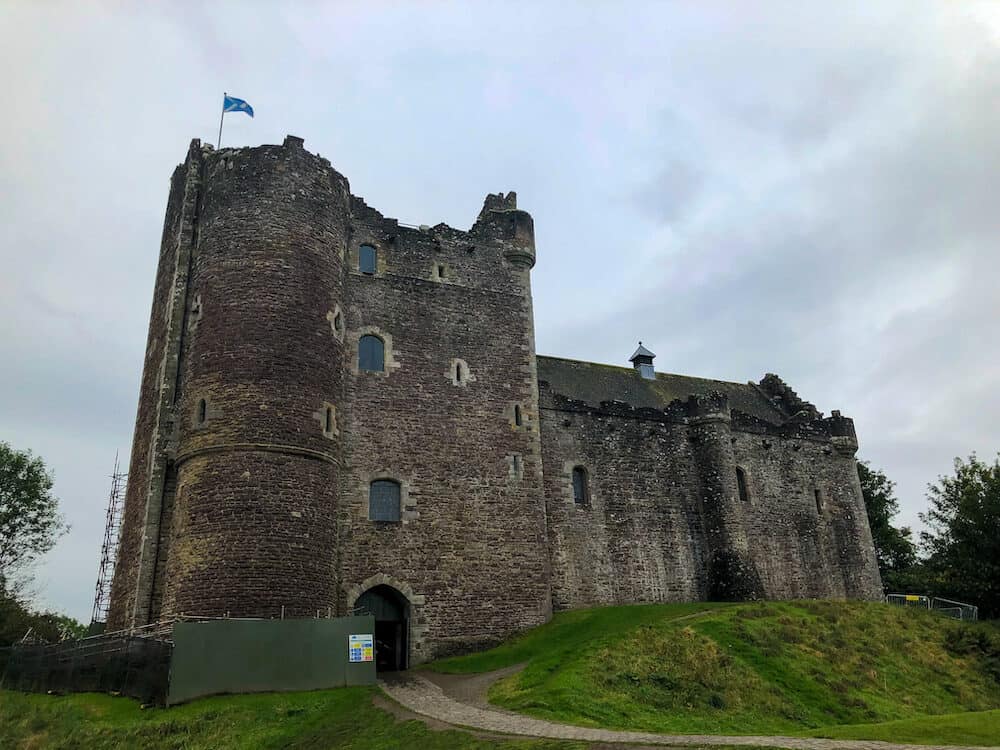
[(354, 256), (390, 358), (567, 486), (407, 505), (320, 416), (441, 272), (511, 414), (335, 315), (467, 375), (195, 311), (210, 411), (515, 466), (741, 471)]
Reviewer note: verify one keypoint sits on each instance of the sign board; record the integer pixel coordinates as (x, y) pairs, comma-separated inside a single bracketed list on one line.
[(361, 647)]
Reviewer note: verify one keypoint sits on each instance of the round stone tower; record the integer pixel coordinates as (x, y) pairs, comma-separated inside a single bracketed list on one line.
[(233, 494)]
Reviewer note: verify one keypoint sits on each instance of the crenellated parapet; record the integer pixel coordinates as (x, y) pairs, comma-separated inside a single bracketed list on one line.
[(500, 219), (715, 406), (787, 400)]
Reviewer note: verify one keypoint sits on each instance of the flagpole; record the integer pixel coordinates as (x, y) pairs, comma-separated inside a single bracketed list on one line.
[(218, 143)]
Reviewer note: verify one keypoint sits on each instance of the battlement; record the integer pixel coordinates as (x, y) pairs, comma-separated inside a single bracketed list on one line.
[(787, 400), (499, 222)]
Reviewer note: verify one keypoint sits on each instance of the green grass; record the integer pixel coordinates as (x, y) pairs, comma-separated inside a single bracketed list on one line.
[(556, 642), (750, 669), (823, 669), (979, 728), (343, 718)]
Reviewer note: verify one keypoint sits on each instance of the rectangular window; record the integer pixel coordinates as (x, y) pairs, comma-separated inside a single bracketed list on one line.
[(366, 259), (383, 500)]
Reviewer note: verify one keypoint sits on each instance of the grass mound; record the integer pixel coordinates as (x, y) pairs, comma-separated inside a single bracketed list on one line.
[(343, 718), (747, 669)]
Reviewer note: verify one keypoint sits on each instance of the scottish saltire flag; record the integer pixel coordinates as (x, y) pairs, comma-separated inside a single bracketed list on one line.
[(232, 104)]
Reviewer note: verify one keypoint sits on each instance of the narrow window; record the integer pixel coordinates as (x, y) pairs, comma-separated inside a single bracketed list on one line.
[(202, 411), (329, 420), (581, 493), (458, 372), (440, 272), (371, 354), (366, 259), (517, 415), (517, 464), (383, 500), (819, 501), (338, 322), (741, 481)]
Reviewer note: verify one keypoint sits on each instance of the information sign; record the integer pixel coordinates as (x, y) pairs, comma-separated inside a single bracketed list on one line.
[(361, 647)]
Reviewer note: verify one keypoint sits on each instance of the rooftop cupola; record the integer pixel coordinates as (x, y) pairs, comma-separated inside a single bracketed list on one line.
[(642, 361)]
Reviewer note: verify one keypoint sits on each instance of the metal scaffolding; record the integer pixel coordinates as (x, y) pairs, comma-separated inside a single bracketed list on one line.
[(109, 548)]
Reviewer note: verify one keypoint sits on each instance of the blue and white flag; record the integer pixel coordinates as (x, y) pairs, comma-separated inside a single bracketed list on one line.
[(232, 104)]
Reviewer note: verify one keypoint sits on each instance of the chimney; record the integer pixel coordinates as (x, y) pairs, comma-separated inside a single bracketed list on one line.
[(642, 361)]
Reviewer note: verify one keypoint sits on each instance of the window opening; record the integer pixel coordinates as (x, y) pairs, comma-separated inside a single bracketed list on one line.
[(371, 354), (741, 481), (366, 259), (202, 411), (581, 492), (517, 415), (458, 372), (819, 501), (383, 500), (329, 420)]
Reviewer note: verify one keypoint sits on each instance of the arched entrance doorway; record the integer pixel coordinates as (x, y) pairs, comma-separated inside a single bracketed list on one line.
[(391, 611)]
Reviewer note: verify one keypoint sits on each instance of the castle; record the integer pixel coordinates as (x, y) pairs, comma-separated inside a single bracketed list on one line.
[(339, 413)]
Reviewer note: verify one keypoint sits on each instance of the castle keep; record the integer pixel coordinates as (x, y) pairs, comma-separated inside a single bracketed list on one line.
[(339, 413)]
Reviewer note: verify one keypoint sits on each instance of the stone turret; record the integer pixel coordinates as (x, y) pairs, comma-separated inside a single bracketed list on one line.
[(249, 367), (731, 573)]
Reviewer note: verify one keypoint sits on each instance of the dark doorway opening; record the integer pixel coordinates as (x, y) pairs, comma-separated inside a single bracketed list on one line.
[(392, 613)]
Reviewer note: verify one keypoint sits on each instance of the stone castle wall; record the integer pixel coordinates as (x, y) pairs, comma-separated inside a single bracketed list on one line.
[(258, 435), (471, 545), (664, 506)]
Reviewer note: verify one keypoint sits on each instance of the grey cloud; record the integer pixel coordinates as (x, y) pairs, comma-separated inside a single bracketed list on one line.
[(796, 189)]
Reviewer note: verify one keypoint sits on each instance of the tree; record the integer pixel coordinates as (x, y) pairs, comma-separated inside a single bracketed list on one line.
[(30, 522), (963, 537), (895, 551)]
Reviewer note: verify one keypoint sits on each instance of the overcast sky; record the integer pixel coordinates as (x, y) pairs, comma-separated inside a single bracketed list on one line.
[(796, 188)]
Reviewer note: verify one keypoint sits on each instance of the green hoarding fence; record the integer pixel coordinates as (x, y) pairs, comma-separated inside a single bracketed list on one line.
[(253, 656)]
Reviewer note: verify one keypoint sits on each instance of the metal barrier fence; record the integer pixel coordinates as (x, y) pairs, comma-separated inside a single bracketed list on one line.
[(132, 664), (958, 610)]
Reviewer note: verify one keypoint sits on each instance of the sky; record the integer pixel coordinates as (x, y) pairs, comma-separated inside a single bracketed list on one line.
[(802, 188)]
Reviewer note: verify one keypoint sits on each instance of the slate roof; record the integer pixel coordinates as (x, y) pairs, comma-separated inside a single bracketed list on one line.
[(641, 352), (594, 383)]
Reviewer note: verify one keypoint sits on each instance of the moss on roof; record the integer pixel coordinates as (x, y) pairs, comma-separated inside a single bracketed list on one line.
[(593, 383)]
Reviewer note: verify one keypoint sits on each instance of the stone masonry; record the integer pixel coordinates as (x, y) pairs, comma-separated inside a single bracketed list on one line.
[(260, 432)]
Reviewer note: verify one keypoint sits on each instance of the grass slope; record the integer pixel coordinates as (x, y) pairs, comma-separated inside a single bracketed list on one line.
[(749, 669), (973, 728), (343, 718)]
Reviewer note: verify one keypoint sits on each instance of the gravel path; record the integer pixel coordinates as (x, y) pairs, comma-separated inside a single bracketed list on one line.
[(460, 701)]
